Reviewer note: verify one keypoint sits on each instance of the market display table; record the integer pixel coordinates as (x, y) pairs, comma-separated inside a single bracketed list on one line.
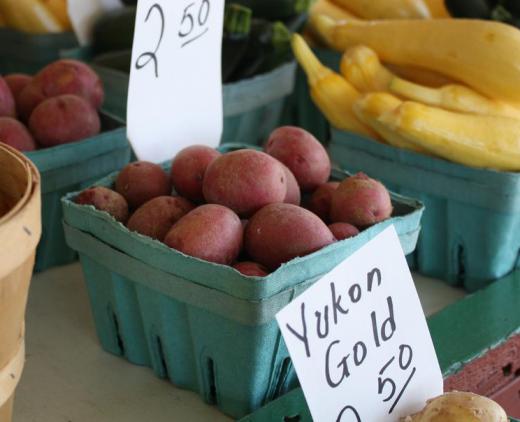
[(69, 378)]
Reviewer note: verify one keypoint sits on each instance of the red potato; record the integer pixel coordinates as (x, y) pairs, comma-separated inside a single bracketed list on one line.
[(7, 104), (343, 230), (63, 119), (105, 199), (28, 99), (141, 181), (302, 153), (210, 232), (245, 181), (360, 201), (280, 232), (293, 195), (15, 134), (321, 200), (17, 82), (62, 77), (251, 269), (188, 169), (157, 216)]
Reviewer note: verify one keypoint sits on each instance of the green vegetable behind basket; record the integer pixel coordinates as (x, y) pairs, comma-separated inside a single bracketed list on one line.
[(235, 39), (254, 41)]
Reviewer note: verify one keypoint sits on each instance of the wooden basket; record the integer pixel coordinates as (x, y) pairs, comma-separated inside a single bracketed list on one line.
[(20, 230)]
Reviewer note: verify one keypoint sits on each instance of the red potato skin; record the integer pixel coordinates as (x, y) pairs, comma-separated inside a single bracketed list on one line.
[(7, 104), (15, 134), (17, 82), (62, 77), (280, 232), (157, 216), (360, 201), (105, 199), (188, 169), (302, 153), (142, 181), (293, 195), (245, 181), (321, 200), (210, 232), (63, 119), (343, 231), (28, 99), (251, 269)]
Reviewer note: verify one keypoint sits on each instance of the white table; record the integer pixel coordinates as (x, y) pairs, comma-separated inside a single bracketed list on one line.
[(69, 378)]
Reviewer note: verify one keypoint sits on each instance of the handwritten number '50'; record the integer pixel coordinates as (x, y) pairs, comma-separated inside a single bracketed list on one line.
[(149, 56), (188, 21)]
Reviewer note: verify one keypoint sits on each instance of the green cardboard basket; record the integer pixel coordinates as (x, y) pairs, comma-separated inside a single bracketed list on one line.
[(28, 53), (72, 167), (204, 326), (253, 107), (461, 333), (471, 227)]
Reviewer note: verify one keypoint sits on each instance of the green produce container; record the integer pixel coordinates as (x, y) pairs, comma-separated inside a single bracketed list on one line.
[(28, 53), (204, 326), (253, 107), (72, 167), (471, 226), (304, 112), (462, 333)]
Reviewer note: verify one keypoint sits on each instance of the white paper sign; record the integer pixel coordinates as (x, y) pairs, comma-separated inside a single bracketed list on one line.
[(83, 14), (175, 92), (359, 341)]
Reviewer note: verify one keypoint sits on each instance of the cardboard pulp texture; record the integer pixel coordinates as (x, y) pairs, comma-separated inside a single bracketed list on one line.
[(71, 167), (253, 107), (471, 225), (204, 326), (463, 333), (20, 229), (28, 53)]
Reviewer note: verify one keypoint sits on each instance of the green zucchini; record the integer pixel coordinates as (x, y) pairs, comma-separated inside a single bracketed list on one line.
[(269, 46), (114, 30), (237, 26), (275, 9)]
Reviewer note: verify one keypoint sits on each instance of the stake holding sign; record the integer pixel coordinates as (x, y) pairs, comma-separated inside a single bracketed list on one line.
[(175, 90), (359, 340)]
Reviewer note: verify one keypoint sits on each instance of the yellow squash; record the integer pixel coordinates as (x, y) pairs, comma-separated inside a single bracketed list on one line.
[(473, 140), (420, 75), (332, 94), (327, 8), (29, 16), (362, 68), (386, 9), (59, 9), (437, 9), (479, 53), (370, 107), (360, 65), (453, 97)]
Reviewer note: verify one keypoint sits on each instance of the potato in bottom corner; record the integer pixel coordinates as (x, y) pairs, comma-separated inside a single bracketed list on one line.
[(458, 406)]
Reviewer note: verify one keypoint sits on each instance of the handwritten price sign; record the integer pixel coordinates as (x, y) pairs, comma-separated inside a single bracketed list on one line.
[(175, 92), (359, 340)]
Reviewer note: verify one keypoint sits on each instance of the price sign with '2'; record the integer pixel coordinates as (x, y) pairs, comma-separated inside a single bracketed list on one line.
[(175, 91)]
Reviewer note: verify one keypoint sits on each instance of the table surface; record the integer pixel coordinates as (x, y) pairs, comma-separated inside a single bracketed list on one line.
[(69, 378)]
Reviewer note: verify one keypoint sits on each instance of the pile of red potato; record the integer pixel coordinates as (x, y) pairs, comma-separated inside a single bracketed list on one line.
[(58, 105), (242, 208)]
